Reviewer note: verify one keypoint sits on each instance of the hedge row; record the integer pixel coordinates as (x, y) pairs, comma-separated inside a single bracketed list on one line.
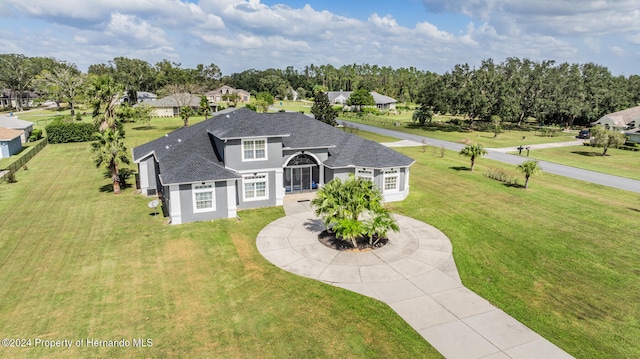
[(61, 132)]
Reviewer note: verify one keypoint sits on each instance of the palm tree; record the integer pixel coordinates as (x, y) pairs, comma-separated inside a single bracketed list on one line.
[(185, 113), (341, 204), (349, 230), (104, 93), (329, 202), (473, 150), (528, 168), (380, 224), (110, 152)]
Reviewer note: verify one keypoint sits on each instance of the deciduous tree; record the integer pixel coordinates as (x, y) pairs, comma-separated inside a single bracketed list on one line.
[(65, 83), (606, 138), (360, 98), (264, 100)]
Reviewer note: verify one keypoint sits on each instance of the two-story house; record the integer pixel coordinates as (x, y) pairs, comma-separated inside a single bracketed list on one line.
[(218, 94), (241, 159)]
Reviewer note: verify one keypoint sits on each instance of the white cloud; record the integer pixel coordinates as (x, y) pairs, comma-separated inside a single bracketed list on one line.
[(549, 17), (241, 34), (129, 27)]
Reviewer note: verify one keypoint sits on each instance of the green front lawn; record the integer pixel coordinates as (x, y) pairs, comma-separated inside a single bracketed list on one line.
[(617, 162), (561, 257), (78, 262)]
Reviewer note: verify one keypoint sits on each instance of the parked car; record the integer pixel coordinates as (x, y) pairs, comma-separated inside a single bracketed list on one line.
[(584, 134)]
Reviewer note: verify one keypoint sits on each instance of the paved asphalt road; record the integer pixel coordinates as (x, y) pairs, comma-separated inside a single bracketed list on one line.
[(549, 167)]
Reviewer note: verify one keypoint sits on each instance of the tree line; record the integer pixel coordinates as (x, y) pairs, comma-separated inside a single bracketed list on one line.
[(513, 90), (518, 89)]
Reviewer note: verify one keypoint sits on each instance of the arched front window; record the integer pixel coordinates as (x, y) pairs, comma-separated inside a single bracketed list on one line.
[(301, 160)]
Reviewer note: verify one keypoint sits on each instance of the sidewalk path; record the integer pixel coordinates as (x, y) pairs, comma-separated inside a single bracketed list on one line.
[(415, 274)]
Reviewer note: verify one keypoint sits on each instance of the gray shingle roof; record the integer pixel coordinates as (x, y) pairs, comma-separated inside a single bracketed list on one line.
[(379, 99), (177, 100), (14, 123), (188, 154), (622, 118)]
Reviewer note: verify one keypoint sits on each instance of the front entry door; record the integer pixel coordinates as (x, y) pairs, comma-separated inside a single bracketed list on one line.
[(300, 178)]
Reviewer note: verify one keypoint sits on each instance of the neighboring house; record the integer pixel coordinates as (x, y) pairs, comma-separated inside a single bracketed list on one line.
[(633, 135), (622, 120), (382, 102), (141, 96), (10, 143), (217, 94), (8, 98), (170, 106), (241, 159), (12, 122)]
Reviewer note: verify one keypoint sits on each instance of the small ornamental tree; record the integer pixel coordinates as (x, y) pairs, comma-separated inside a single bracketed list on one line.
[(473, 151), (144, 113), (204, 106), (264, 100), (606, 138), (528, 168), (343, 205)]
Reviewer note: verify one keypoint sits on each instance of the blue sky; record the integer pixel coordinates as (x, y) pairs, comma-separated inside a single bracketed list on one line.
[(237, 35)]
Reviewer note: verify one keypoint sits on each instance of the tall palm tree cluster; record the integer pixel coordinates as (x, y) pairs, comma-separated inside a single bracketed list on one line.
[(353, 209)]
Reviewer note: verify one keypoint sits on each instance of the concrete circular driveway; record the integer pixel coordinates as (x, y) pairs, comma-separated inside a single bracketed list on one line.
[(292, 243), (415, 274)]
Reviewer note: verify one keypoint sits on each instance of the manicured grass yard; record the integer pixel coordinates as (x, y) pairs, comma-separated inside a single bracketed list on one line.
[(617, 162), (562, 257), (508, 138), (78, 262)]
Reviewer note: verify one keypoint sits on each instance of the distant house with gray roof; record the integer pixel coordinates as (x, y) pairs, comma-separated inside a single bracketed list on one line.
[(170, 106), (141, 96), (622, 120), (12, 122), (382, 102), (241, 159)]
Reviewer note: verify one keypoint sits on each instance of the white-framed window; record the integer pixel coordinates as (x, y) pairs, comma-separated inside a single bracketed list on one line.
[(255, 187), (203, 197), (366, 174), (254, 150), (391, 180)]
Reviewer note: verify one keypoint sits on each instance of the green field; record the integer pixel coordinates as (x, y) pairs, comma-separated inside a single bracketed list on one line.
[(443, 131), (561, 257), (617, 162), (79, 262)]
